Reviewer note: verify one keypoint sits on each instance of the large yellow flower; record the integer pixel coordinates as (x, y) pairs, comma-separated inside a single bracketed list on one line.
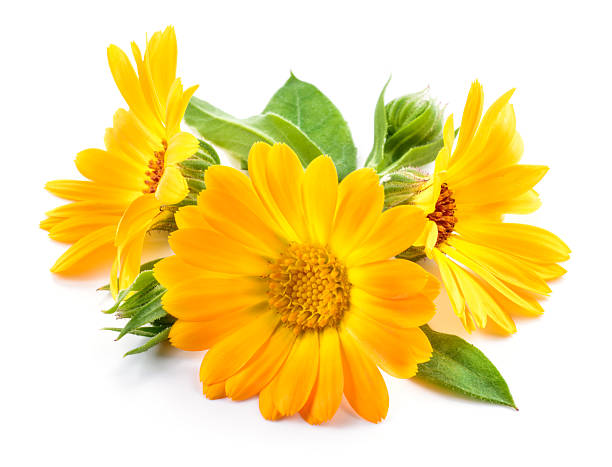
[(491, 269), (287, 278), (136, 174)]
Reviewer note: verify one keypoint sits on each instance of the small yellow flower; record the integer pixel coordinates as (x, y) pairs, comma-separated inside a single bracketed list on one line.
[(491, 269), (136, 174), (287, 278)]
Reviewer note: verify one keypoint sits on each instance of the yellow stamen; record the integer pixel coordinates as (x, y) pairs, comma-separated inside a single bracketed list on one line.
[(444, 215), (157, 169), (308, 287)]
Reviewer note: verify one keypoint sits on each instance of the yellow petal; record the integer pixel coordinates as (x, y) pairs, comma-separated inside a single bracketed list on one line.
[(130, 137), (396, 230), (503, 185), (209, 298), (277, 176), (481, 303), (189, 217), (292, 385), (85, 208), (230, 355), (504, 289), (72, 229), (79, 190), (129, 86), (446, 267), (214, 391), (266, 405), (327, 392), (237, 186), (320, 194), (215, 252), (172, 187), (137, 218), (506, 267), (172, 271), (202, 335), (180, 147), (84, 247), (470, 119), (473, 154), (402, 313), (262, 367), (395, 350), (162, 51), (522, 240), (364, 386), (109, 169), (231, 217), (360, 203), (392, 279)]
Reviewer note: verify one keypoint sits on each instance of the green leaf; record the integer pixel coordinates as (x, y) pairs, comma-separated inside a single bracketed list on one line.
[(237, 136), (462, 368), (157, 339), (304, 105), (380, 130)]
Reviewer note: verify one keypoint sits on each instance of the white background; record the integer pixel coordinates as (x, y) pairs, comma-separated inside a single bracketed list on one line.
[(69, 398)]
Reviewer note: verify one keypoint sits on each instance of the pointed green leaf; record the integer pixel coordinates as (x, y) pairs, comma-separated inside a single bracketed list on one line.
[(145, 331), (157, 339), (304, 105), (380, 130), (460, 367), (143, 315), (143, 280), (238, 135)]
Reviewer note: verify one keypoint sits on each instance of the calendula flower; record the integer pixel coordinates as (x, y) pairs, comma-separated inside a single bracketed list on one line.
[(491, 268), (288, 279), (137, 174)]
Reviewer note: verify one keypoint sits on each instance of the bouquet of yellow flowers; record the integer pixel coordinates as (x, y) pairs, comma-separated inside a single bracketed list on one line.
[(302, 274)]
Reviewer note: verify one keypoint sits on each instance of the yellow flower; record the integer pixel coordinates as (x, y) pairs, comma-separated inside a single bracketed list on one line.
[(287, 278), (136, 174), (491, 269)]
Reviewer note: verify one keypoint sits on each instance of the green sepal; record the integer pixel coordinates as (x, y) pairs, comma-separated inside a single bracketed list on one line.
[(157, 339), (414, 254), (193, 169), (145, 331), (141, 303), (304, 105), (460, 367), (380, 131), (401, 186)]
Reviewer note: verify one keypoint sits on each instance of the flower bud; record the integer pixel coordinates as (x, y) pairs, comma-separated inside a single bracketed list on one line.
[(402, 185), (413, 133)]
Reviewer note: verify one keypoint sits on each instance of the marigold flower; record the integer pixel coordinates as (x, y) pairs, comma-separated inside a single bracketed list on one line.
[(137, 174), (491, 268), (287, 278)]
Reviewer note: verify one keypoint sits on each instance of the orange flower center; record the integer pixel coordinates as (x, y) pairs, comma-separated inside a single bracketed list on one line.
[(309, 288), (444, 215), (156, 169)]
